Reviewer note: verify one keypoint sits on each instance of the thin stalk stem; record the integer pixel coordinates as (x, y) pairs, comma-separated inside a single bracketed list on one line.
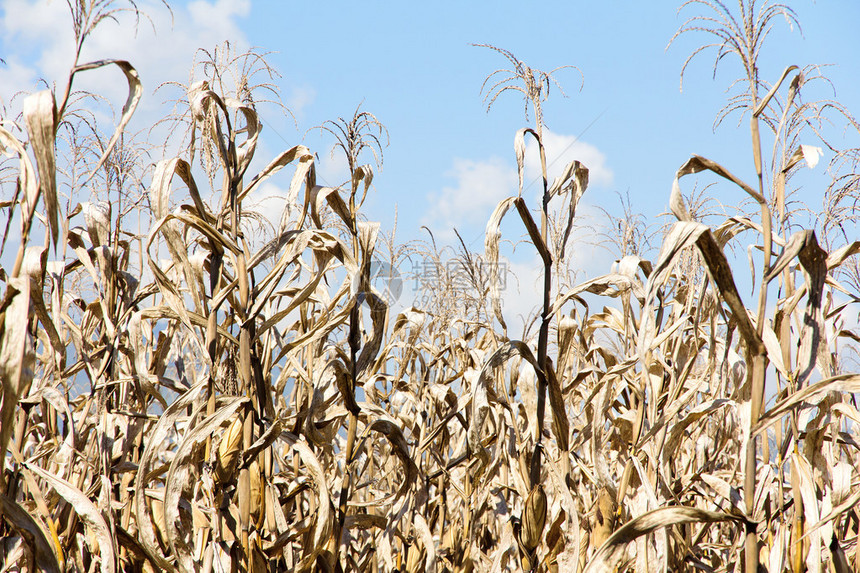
[(546, 318), (354, 345)]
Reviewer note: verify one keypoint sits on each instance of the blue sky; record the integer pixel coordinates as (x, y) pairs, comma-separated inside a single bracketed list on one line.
[(411, 64)]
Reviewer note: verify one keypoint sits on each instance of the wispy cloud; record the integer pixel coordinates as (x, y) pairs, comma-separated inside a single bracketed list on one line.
[(478, 186), (561, 149), (299, 99), (37, 42), (162, 48), (469, 202)]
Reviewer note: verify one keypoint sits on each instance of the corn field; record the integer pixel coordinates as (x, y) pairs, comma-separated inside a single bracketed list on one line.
[(183, 391)]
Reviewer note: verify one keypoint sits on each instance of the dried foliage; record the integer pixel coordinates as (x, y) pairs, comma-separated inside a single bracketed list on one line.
[(194, 397)]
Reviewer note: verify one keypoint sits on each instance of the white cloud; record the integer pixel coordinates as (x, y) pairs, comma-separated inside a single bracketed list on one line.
[(479, 186), (37, 41), (26, 24), (523, 293), (269, 200), (162, 55), (215, 18), (560, 151), (332, 167), (14, 77), (300, 98)]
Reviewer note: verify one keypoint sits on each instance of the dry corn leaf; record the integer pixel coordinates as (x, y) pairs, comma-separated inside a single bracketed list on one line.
[(159, 197), (774, 351), (811, 510), (505, 548), (837, 257), (335, 201), (362, 173), (16, 356), (694, 165), (491, 246), (27, 180), (612, 285), (40, 113), (88, 512), (401, 449), (807, 397), (323, 522), (179, 470), (344, 384), (427, 542), (325, 247), (98, 219), (520, 151), (21, 520), (682, 235), (245, 150), (480, 392), (575, 180), (135, 91), (847, 505), (560, 423), (721, 273), (304, 173), (813, 262), (156, 440), (264, 441), (201, 98), (678, 429), (320, 331), (611, 553)]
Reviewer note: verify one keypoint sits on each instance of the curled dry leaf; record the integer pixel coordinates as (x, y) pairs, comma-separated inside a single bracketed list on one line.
[(98, 219), (135, 91), (401, 450), (157, 437), (520, 151), (88, 513), (16, 357), (807, 397), (323, 522), (480, 392), (179, 470), (427, 542), (611, 553), (40, 113), (21, 520)]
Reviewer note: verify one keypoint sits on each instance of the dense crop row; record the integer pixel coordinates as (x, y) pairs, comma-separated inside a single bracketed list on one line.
[(182, 392)]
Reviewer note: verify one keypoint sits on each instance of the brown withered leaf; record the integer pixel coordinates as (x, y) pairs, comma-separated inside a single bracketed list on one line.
[(21, 520), (612, 551), (135, 91), (40, 113)]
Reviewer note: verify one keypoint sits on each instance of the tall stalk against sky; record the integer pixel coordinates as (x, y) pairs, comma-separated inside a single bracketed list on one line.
[(742, 34), (534, 85), (744, 38), (360, 134)]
